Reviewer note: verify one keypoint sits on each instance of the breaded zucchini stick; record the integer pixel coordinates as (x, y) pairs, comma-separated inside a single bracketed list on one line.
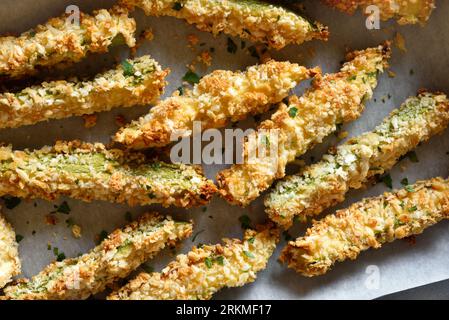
[(218, 98), (134, 82), (9, 253), (60, 41), (203, 271), (115, 258), (91, 172), (368, 224), (404, 11), (334, 99), (356, 162), (249, 19)]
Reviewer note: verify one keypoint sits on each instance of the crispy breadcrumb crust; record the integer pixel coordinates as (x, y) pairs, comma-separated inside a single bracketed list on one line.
[(141, 83), (404, 11), (251, 19), (61, 41), (203, 271), (91, 172), (218, 98), (334, 99), (356, 162), (115, 258), (9, 253), (368, 224)]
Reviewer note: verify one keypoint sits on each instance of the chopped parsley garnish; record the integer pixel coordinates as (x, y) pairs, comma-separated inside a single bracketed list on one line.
[(177, 6), (11, 202), (232, 47), (70, 223), (128, 68), (62, 208), (196, 235), (220, 260), (253, 52), (287, 236), (248, 254), (19, 238), (191, 77), (412, 209), (59, 255), (409, 188), (388, 181), (103, 235), (208, 262), (292, 112), (404, 182), (412, 156), (245, 222), (251, 240), (181, 91)]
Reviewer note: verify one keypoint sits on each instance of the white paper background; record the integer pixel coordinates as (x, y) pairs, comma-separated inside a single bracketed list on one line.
[(401, 265)]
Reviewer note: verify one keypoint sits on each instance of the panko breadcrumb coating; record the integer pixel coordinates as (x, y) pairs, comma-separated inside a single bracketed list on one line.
[(254, 20), (218, 98), (134, 82), (368, 224), (61, 41), (357, 162), (334, 99), (115, 258), (91, 172), (9, 253), (203, 271), (405, 11)]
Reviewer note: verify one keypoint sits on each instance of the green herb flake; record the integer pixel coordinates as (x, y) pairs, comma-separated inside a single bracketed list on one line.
[(63, 208), (191, 77), (128, 68), (404, 182), (292, 112), (11, 202), (413, 209), (220, 260), (287, 236), (412, 156), (103, 235), (388, 181), (409, 188), (19, 238), (249, 254), (70, 223), (232, 47), (251, 240), (177, 6), (245, 222), (181, 91), (208, 262)]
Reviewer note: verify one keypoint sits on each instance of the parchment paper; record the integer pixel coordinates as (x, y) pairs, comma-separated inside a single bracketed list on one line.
[(400, 264)]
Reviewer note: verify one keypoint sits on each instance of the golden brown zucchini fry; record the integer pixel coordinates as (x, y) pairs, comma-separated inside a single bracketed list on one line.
[(218, 98), (255, 20), (59, 41), (91, 172), (204, 271), (115, 258), (334, 99), (9, 253), (368, 224), (357, 162), (134, 82)]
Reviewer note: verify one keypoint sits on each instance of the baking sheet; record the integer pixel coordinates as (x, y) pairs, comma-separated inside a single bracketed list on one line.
[(400, 265)]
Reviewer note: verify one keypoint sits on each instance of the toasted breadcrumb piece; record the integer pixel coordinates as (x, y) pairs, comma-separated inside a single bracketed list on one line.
[(61, 41), (251, 19), (133, 82), (405, 11), (359, 160), (218, 98), (9, 253), (115, 258), (334, 99), (368, 224), (203, 271), (91, 172)]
